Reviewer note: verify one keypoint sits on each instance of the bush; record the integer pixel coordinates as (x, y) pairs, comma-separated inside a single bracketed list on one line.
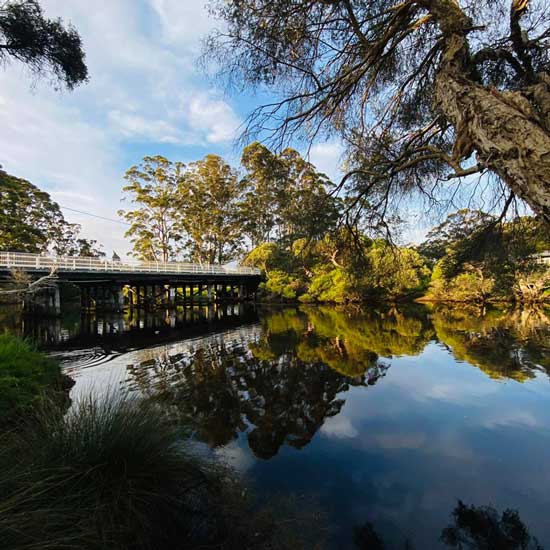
[(283, 286), (26, 375)]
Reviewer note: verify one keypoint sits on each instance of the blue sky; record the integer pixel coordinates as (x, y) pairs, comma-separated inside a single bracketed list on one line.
[(146, 96)]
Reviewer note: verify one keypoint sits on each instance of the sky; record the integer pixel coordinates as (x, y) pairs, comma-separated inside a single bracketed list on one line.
[(146, 96)]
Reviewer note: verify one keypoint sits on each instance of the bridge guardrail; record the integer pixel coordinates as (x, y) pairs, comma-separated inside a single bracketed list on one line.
[(37, 262)]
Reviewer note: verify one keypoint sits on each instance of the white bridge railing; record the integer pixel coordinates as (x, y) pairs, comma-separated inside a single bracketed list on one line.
[(37, 262)]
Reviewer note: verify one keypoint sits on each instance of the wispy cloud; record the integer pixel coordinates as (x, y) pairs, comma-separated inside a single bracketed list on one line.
[(212, 118)]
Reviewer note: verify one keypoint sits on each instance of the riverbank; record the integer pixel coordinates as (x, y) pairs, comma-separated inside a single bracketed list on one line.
[(27, 377)]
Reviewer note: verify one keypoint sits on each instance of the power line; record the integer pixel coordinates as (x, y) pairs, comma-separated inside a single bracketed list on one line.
[(94, 215)]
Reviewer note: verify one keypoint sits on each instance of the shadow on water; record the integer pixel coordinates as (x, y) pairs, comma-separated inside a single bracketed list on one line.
[(472, 528)]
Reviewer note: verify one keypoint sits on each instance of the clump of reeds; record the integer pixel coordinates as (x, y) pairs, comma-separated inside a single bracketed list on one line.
[(112, 473)]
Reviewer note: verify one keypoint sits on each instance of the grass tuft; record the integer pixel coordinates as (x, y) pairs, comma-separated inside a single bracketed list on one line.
[(112, 473)]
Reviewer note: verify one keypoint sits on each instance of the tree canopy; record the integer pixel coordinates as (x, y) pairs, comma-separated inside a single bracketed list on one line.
[(286, 196), (153, 187), (47, 46), (208, 212), (420, 91), (211, 192)]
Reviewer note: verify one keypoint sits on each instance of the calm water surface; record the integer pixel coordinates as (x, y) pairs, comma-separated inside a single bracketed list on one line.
[(387, 417)]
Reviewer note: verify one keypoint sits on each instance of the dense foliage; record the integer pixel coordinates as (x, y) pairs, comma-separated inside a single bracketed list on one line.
[(471, 257), (26, 376), (478, 259), (46, 46), (30, 221)]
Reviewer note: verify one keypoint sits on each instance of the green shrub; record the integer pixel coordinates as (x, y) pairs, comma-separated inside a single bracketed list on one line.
[(25, 376), (281, 285)]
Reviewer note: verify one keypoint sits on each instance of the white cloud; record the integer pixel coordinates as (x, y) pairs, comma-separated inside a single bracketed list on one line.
[(137, 127), (327, 157), (213, 118), (183, 23)]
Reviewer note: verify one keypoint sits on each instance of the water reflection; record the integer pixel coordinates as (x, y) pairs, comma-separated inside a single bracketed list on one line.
[(277, 394), (281, 383), (135, 328), (472, 528), (503, 344), (385, 416)]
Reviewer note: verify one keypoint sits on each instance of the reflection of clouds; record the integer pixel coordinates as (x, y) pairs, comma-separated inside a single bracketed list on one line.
[(339, 426), (236, 456), (514, 417), (436, 375), (457, 390), (400, 440)]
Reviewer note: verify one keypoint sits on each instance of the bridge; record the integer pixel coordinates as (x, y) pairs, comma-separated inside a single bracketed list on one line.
[(131, 283)]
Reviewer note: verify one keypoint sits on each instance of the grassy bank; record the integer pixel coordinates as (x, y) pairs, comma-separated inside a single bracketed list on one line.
[(26, 377)]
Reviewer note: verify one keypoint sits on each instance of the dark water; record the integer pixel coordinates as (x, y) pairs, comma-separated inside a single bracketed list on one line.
[(382, 416)]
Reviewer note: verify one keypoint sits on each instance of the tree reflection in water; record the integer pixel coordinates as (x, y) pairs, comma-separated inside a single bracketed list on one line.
[(229, 386), (281, 381), (503, 344), (472, 528)]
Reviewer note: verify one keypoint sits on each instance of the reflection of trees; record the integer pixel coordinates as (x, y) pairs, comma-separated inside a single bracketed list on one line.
[(347, 343), (473, 528), (280, 381), (482, 528), (223, 387), (502, 344)]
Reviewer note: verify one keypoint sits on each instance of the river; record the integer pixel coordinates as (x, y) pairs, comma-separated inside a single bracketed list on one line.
[(385, 418)]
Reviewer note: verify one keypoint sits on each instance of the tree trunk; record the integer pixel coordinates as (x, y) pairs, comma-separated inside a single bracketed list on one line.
[(502, 128), (508, 135)]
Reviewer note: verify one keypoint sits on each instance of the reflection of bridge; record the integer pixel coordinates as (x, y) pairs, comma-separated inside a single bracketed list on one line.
[(118, 283)]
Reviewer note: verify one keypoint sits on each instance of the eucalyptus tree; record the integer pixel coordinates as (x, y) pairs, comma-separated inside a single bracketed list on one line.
[(153, 188), (210, 214), (421, 91), (457, 226), (47, 46), (29, 220), (265, 184), (286, 197)]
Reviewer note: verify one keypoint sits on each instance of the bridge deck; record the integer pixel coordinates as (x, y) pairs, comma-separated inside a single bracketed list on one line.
[(77, 267)]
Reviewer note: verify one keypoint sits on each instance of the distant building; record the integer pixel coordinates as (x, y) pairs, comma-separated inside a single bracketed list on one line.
[(540, 257)]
